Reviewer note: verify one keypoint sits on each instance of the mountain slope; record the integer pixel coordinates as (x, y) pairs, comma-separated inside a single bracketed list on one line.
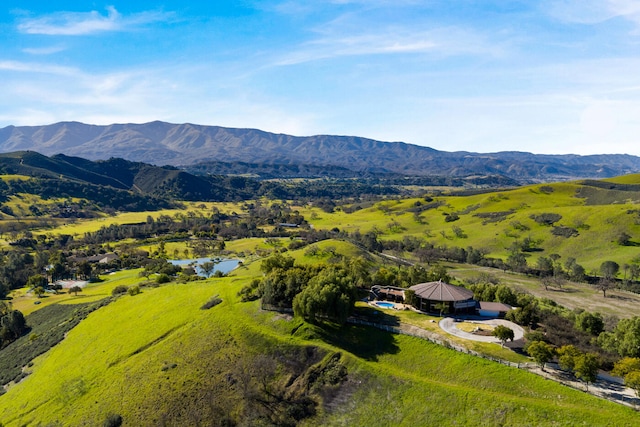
[(114, 181), (188, 144)]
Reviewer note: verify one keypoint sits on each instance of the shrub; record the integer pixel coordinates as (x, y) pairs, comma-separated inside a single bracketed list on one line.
[(134, 290), (112, 420), (120, 289), (297, 244), (163, 278), (215, 300), (451, 217), (546, 218), (564, 231), (546, 189)]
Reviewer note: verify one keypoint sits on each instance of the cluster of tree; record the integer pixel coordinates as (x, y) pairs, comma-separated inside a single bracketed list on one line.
[(12, 324), (159, 266), (405, 277), (312, 291), (41, 268), (206, 227), (493, 292), (583, 366), (103, 196), (624, 340), (16, 267), (553, 324), (629, 369), (552, 271)]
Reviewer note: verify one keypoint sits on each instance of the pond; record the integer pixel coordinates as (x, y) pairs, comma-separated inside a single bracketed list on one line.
[(223, 265)]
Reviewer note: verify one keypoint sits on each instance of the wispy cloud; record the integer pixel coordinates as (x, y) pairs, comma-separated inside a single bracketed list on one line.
[(444, 41), (594, 11), (48, 50), (30, 67), (82, 23)]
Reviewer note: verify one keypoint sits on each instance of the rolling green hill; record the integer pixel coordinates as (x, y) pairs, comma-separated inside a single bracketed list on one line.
[(590, 216), (158, 359)]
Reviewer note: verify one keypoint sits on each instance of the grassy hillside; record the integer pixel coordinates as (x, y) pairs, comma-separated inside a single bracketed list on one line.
[(592, 217), (158, 359)]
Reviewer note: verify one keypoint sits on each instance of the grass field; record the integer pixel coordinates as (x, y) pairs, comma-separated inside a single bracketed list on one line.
[(157, 358), (143, 356)]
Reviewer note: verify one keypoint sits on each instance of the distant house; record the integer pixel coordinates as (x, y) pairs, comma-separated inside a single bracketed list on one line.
[(288, 225), (430, 297), (68, 284), (100, 258)]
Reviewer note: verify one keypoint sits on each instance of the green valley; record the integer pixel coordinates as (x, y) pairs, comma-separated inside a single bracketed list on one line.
[(143, 342)]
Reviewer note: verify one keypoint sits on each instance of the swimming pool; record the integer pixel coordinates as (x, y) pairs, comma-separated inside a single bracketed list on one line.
[(384, 304)]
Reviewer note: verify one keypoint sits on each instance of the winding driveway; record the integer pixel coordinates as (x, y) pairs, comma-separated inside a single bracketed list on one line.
[(448, 325)]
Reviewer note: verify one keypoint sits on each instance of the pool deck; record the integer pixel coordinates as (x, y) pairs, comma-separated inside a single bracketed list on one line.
[(396, 305)]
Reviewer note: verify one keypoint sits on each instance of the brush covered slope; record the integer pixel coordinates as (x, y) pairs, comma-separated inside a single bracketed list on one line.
[(158, 358), (115, 179), (590, 221)]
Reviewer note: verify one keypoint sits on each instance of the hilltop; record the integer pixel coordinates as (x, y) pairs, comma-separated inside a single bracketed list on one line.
[(161, 143)]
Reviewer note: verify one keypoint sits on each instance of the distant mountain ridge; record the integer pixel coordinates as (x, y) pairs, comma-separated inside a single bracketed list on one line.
[(161, 143)]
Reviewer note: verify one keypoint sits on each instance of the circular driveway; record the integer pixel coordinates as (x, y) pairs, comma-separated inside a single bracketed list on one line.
[(448, 325)]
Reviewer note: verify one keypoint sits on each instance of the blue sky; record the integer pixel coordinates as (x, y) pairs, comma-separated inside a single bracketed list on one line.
[(545, 77)]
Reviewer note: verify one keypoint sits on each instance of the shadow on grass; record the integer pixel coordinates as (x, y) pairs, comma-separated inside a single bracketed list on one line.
[(621, 297), (376, 315), (365, 342), (564, 290)]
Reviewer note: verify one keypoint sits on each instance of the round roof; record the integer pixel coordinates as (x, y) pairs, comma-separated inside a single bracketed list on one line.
[(440, 291)]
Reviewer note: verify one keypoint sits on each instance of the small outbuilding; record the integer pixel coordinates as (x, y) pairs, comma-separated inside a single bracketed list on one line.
[(386, 293), (493, 309), (431, 296)]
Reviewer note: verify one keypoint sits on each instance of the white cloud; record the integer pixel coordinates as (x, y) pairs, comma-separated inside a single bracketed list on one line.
[(49, 50), (392, 40), (82, 23), (594, 11), (30, 67)]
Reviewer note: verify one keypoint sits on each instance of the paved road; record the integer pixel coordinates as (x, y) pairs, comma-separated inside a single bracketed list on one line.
[(449, 325)]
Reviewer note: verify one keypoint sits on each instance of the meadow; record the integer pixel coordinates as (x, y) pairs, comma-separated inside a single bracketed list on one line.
[(142, 356), (159, 358)]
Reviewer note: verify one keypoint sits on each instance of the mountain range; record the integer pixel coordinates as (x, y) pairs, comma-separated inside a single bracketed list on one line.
[(215, 149)]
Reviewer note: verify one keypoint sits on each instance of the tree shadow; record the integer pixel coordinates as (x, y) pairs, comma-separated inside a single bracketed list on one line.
[(377, 315), (366, 342), (620, 297), (564, 290)]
